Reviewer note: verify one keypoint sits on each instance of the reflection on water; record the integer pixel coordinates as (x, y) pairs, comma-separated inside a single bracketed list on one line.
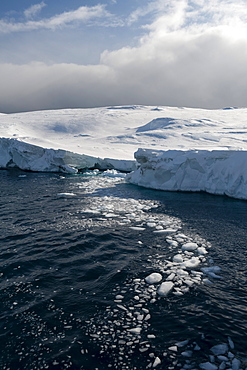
[(75, 255)]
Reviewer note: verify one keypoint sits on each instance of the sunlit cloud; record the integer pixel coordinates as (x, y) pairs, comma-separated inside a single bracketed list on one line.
[(33, 10), (82, 14), (191, 54)]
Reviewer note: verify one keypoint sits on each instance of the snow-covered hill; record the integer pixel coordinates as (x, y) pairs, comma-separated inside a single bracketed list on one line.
[(68, 139)]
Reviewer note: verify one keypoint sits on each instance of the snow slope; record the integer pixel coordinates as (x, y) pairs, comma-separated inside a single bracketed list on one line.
[(193, 142)]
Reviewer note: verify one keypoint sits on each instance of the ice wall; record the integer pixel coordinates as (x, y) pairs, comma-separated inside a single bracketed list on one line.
[(216, 172), (14, 153)]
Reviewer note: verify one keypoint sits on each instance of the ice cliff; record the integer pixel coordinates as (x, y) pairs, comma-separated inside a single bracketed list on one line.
[(15, 153), (216, 172)]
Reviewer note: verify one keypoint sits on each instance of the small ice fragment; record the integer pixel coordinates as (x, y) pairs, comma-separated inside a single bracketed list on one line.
[(190, 247), (137, 228), (135, 330), (231, 344), (182, 272), (222, 366), (109, 215), (191, 263), (151, 336), (222, 358), (170, 277), (165, 288), (189, 282), (230, 355), (207, 281), (236, 364), (65, 195), (208, 366), (210, 269), (122, 307), (151, 224), (157, 361), (173, 243), (119, 296), (197, 348), (173, 348), (202, 251), (183, 343), (187, 353), (153, 278), (219, 349), (178, 258), (159, 227)]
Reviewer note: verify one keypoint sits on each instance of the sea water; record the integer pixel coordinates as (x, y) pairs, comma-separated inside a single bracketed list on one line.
[(96, 273)]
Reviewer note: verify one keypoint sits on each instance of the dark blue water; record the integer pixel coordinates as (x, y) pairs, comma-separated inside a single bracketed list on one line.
[(68, 249)]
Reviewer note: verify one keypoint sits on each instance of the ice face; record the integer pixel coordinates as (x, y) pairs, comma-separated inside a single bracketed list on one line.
[(216, 172)]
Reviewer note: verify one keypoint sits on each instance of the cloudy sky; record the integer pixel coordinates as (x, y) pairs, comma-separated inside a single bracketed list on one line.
[(88, 53)]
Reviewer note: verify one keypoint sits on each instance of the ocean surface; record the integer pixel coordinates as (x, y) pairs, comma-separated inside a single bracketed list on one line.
[(75, 252)]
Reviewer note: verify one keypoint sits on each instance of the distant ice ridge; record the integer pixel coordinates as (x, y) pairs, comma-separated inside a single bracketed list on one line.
[(15, 153), (216, 172)]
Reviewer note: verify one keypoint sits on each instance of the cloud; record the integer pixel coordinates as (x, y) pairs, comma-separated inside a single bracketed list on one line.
[(185, 58), (34, 10), (82, 14)]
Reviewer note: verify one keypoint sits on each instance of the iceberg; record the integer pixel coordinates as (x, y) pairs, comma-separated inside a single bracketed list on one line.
[(216, 172)]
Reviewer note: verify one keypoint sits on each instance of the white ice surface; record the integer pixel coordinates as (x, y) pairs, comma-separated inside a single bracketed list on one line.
[(185, 149), (216, 172)]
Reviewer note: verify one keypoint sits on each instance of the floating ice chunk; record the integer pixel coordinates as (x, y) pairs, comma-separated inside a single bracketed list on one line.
[(135, 330), (182, 343), (110, 215), (159, 227), (157, 361), (191, 263), (65, 195), (173, 348), (153, 278), (165, 288), (236, 364), (219, 349), (119, 296), (231, 344), (222, 366), (202, 251), (189, 282), (187, 353), (222, 358), (137, 228), (182, 272), (171, 276), (190, 247), (208, 366), (211, 271), (173, 243), (178, 258), (151, 224)]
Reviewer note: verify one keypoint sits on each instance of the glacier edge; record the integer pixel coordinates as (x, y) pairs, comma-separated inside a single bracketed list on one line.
[(222, 172)]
